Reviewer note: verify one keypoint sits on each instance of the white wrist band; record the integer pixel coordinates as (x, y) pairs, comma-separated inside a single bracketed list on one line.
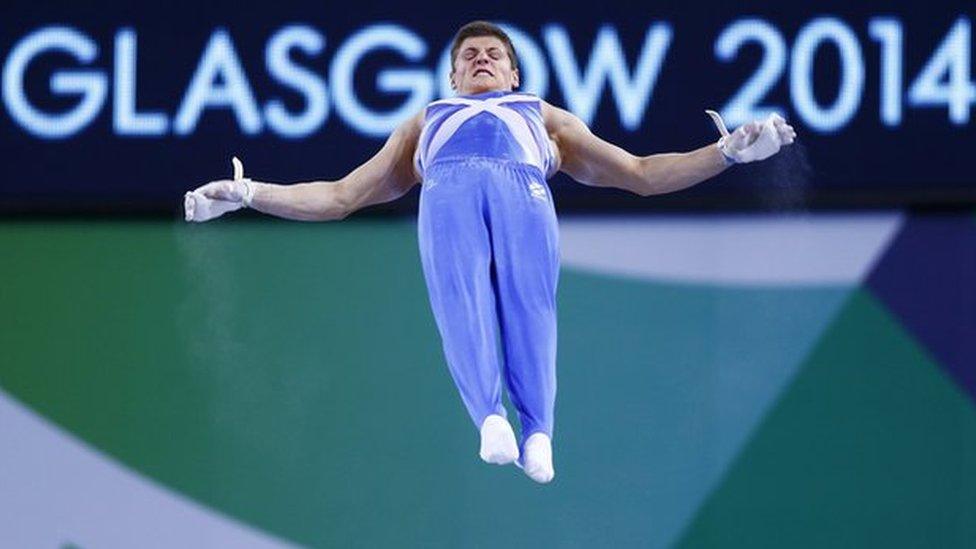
[(248, 193), (729, 161)]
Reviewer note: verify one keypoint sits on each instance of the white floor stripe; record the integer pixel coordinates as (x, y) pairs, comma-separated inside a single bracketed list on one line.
[(731, 250), (56, 490)]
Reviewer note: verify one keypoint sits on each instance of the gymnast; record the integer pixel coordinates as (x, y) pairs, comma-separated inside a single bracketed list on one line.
[(488, 238)]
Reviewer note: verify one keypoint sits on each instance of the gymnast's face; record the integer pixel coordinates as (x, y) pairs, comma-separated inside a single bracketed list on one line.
[(482, 65)]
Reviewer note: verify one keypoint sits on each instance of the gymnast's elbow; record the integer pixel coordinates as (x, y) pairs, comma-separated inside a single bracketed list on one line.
[(333, 211), (644, 178), (656, 181), (651, 187), (334, 204), (643, 185)]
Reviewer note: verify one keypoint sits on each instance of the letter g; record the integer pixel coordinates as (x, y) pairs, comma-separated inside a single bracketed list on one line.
[(91, 85)]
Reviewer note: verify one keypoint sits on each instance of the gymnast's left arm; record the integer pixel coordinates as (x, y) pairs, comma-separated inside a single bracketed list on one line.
[(593, 161)]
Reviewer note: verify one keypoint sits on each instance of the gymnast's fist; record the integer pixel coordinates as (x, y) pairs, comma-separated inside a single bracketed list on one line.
[(757, 140), (218, 197)]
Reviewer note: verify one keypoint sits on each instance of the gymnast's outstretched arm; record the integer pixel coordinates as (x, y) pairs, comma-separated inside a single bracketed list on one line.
[(593, 161), (383, 178)]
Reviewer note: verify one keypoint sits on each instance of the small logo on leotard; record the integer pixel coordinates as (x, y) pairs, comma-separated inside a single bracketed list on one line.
[(538, 191)]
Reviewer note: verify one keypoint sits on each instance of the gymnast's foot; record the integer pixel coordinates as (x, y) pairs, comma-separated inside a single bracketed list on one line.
[(537, 461), (498, 444)]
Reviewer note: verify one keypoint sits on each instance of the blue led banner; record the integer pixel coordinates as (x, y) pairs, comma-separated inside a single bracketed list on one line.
[(117, 107)]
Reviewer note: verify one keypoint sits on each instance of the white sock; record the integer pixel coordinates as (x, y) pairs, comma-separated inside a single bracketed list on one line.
[(498, 444), (537, 461)]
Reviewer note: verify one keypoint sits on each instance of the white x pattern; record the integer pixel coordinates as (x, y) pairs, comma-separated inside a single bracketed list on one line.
[(515, 122)]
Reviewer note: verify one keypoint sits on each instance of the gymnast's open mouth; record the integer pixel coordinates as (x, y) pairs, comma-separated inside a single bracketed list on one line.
[(486, 71)]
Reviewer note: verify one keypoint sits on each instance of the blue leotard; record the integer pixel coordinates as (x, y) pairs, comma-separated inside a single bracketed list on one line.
[(489, 245)]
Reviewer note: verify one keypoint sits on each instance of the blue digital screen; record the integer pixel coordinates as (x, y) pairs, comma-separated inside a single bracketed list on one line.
[(120, 106)]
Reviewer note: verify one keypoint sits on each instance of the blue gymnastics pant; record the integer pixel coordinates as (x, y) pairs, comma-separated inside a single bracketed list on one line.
[(489, 245)]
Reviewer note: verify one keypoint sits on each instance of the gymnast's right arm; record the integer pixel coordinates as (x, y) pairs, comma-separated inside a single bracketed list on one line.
[(383, 178)]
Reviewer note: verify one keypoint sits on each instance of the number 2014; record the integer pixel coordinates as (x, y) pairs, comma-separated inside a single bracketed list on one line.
[(944, 80)]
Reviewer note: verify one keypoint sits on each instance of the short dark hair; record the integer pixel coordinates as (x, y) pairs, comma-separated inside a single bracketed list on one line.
[(482, 28)]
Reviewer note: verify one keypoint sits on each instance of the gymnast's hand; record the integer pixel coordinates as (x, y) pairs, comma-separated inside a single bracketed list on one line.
[(219, 197), (757, 140)]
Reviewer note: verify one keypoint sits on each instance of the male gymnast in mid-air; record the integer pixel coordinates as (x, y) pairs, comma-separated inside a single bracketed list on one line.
[(487, 225)]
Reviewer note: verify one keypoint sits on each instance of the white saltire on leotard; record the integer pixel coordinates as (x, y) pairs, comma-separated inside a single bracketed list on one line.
[(521, 117)]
